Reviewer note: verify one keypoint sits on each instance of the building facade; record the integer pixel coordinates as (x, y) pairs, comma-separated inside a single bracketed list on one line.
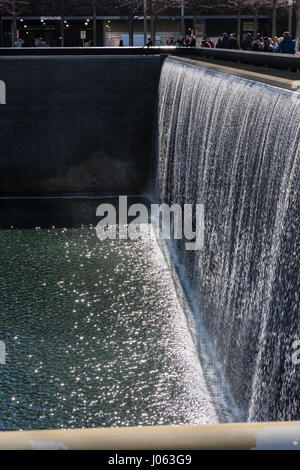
[(78, 31)]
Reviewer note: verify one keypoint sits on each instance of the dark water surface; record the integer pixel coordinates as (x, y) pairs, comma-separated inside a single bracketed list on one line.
[(94, 330)]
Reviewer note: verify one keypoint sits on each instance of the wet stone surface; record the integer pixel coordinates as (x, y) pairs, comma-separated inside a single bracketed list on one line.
[(95, 334)]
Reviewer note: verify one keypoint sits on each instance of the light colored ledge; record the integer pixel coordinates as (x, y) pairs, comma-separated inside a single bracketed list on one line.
[(283, 435)]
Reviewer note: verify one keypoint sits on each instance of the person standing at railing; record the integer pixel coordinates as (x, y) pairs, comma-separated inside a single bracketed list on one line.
[(19, 42), (149, 42), (41, 43), (170, 41), (233, 44), (193, 40), (276, 43), (287, 45), (247, 42), (208, 43), (223, 42), (267, 45), (187, 41), (256, 46), (180, 41)]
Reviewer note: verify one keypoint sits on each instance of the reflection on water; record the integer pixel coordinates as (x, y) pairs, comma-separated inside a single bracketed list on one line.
[(95, 334)]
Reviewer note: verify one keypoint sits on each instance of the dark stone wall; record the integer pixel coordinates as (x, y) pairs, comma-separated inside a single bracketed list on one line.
[(77, 125)]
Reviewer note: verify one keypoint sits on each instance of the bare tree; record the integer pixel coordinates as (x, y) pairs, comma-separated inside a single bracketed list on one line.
[(65, 9), (275, 5), (94, 23), (154, 8), (96, 5), (130, 8), (196, 7), (61, 8), (255, 6), (274, 17), (238, 6), (13, 8)]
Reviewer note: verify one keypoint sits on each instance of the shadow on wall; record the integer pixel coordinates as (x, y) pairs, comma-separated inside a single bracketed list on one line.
[(77, 125)]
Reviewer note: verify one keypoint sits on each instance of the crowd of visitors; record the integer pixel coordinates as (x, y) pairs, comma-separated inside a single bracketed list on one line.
[(183, 41), (284, 44), (227, 41)]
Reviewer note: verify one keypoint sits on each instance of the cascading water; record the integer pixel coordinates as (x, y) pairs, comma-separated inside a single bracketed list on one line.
[(233, 144)]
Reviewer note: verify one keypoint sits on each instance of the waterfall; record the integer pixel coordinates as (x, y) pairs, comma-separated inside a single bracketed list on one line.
[(234, 145)]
